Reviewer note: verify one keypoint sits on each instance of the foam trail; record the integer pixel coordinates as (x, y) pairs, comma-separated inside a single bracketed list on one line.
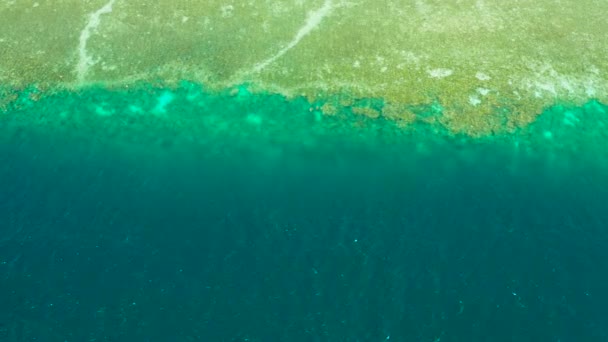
[(84, 60), (313, 20)]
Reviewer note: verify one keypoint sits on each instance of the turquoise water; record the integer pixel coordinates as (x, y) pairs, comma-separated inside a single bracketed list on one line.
[(157, 214)]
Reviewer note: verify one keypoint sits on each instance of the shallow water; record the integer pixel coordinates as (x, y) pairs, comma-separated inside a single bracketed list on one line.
[(227, 218)]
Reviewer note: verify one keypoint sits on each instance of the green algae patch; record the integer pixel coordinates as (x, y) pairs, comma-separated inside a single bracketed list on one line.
[(147, 114), (156, 118)]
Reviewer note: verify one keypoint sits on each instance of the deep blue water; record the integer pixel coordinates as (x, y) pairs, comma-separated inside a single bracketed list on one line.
[(463, 242)]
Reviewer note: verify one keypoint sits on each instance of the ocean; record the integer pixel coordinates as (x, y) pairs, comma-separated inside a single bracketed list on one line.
[(180, 214)]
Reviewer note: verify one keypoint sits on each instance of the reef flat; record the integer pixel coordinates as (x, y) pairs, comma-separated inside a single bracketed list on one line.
[(491, 66)]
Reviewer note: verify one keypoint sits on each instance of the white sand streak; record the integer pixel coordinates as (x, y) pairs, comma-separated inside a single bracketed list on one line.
[(313, 20), (84, 59)]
